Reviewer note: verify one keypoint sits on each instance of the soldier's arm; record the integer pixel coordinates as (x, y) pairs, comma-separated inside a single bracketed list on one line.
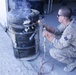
[(65, 39), (63, 42), (59, 30)]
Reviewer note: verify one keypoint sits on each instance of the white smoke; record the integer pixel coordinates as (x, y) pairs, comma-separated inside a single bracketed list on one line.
[(22, 8), (19, 11)]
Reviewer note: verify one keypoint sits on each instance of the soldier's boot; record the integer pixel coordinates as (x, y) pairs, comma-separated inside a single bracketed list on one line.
[(70, 67)]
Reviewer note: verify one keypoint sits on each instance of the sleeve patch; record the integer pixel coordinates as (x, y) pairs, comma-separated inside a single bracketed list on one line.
[(66, 38)]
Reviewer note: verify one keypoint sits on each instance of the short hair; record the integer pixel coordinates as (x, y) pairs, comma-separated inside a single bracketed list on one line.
[(67, 12)]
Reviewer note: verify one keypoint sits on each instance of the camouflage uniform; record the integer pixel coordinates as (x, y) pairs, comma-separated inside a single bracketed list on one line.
[(65, 46)]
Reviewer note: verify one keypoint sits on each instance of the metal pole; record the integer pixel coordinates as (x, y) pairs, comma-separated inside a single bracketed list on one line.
[(44, 46), (44, 43), (50, 4)]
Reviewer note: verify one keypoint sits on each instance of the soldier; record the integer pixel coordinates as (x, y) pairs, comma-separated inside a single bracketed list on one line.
[(65, 45)]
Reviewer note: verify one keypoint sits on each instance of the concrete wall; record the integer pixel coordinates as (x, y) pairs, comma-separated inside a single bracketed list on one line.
[(3, 12)]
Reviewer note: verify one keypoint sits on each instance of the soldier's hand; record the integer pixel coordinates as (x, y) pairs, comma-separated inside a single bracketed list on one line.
[(48, 35), (44, 32)]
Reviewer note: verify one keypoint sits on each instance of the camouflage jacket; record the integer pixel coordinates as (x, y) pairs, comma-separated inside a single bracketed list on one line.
[(68, 35)]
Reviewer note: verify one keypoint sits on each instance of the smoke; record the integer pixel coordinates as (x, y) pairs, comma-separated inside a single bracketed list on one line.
[(19, 10), (23, 8)]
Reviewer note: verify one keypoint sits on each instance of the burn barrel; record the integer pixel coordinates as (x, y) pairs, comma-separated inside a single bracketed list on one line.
[(25, 37)]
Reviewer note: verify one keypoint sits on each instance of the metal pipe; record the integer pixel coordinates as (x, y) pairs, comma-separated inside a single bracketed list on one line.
[(50, 5)]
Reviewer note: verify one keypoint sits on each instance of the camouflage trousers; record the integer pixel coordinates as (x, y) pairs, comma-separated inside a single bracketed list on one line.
[(66, 55)]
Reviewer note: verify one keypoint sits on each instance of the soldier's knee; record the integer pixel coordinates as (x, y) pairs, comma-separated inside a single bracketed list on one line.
[(53, 52)]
